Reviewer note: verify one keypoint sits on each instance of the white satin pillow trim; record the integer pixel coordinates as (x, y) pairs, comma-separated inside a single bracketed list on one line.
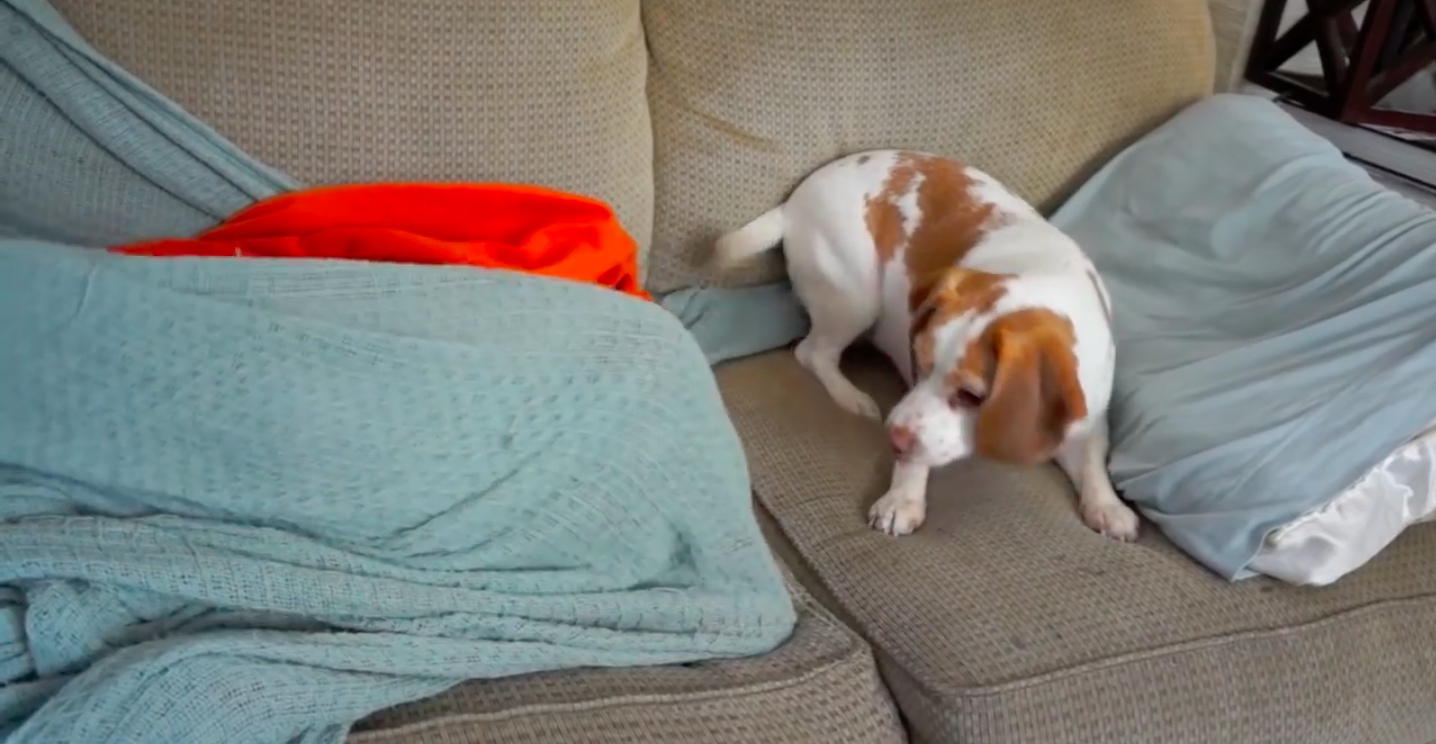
[(1340, 536)]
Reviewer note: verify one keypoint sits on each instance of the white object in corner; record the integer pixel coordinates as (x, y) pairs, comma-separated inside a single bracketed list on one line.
[(1340, 536)]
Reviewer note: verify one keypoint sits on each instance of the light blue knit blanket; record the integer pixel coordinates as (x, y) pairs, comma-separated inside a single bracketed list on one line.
[(254, 501), (247, 501)]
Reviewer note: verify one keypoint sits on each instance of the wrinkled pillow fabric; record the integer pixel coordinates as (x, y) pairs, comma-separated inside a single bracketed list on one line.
[(1275, 314)]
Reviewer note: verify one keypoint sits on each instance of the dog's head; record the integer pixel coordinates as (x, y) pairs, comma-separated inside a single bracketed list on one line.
[(997, 382)]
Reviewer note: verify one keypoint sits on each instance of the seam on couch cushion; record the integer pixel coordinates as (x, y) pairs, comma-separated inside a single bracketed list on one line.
[(846, 676), (1204, 644), (840, 665)]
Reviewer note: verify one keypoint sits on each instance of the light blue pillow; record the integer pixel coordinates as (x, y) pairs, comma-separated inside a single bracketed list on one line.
[(1275, 312)]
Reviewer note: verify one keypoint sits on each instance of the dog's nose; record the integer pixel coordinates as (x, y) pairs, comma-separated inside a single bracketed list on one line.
[(903, 439)]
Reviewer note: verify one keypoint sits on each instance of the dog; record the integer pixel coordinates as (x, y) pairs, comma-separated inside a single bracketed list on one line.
[(997, 321)]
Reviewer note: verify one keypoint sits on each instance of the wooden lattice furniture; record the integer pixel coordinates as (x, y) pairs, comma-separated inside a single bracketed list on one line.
[(1362, 61)]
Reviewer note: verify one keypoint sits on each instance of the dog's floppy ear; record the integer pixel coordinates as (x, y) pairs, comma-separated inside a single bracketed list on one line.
[(946, 293), (1029, 368)]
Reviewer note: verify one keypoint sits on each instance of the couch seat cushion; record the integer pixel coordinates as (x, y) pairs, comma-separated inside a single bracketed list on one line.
[(1005, 620), (821, 687)]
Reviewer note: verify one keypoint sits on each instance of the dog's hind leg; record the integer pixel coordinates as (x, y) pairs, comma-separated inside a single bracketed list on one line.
[(839, 318)]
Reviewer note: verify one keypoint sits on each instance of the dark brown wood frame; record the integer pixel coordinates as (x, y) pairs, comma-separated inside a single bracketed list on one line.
[(1360, 64)]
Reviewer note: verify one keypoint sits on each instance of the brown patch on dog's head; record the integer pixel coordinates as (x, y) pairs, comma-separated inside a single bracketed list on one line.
[(1023, 368), (952, 293)]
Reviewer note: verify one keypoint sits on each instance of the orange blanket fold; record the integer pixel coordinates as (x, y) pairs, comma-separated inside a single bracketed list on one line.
[(497, 226)]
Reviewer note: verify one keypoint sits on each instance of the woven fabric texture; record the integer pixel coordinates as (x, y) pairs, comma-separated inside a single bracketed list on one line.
[(92, 156), (1005, 620), (345, 91), (748, 96), (208, 465), (821, 687)]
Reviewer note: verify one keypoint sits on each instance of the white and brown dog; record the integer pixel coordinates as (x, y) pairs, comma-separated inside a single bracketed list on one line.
[(995, 318)]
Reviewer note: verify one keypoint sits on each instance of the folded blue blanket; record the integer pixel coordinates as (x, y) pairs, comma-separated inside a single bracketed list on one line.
[(255, 501)]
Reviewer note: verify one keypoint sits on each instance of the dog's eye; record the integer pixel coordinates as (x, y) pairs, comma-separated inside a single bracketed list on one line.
[(964, 398)]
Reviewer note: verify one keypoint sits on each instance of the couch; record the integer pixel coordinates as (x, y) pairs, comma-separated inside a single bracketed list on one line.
[(1004, 620)]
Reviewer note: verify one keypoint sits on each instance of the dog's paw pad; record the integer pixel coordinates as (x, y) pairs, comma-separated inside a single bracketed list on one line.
[(1112, 519), (897, 515), (861, 404)]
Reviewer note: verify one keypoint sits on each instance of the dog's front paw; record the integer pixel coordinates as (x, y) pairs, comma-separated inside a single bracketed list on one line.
[(897, 514), (856, 401), (1110, 518)]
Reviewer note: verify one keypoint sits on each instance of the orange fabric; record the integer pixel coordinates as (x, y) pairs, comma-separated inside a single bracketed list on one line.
[(521, 228)]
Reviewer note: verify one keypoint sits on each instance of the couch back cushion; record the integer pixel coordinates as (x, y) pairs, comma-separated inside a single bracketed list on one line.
[(748, 96), (342, 91)]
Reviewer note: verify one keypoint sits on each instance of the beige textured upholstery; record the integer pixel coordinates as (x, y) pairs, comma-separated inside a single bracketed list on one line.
[(1005, 620), (821, 687), (343, 91), (750, 95)]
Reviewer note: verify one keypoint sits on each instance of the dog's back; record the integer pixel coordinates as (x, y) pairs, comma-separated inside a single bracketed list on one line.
[(878, 228)]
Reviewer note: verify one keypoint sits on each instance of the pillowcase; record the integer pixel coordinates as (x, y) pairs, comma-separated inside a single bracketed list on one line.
[(1275, 324), (1341, 535)]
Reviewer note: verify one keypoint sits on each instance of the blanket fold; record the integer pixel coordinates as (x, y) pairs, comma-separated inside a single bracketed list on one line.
[(498, 226), (94, 156), (257, 500)]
